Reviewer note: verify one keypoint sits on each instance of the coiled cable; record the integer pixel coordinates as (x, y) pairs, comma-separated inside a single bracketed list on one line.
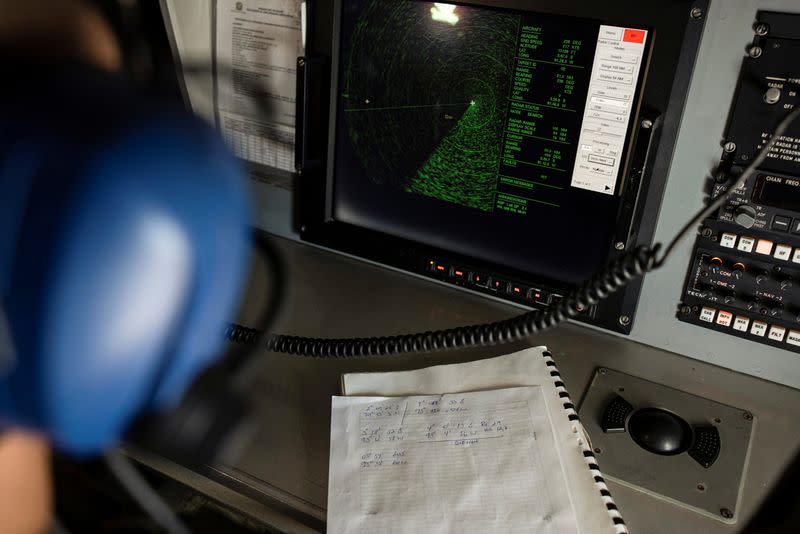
[(609, 280)]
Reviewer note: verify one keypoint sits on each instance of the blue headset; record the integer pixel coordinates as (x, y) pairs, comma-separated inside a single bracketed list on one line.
[(124, 243)]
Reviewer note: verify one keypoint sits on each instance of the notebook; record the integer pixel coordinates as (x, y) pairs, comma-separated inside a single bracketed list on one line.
[(487, 446)]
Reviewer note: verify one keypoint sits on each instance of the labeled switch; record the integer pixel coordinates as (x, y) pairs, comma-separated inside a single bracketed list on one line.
[(741, 324), (793, 338), (781, 223), (782, 252), (764, 247), (776, 333), (727, 240), (746, 244), (759, 328), (724, 318), (707, 315)]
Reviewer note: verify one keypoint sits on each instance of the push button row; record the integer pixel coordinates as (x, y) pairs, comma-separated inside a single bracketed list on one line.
[(484, 281), (754, 327), (765, 247)]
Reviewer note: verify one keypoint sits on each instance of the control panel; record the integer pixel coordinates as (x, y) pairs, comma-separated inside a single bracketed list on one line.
[(744, 279)]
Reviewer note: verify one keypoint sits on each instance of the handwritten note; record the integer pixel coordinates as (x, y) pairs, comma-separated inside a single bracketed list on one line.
[(470, 462)]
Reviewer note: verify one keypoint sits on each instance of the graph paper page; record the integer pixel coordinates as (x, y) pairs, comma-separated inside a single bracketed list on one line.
[(470, 462)]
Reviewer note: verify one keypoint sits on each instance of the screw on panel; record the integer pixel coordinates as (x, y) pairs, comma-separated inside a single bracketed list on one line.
[(747, 416), (761, 29), (755, 51), (697, 13), (597, 450), (717, 420), (701, 486), (686, 310), (602, 370), (647, 124), (620, 246), (303, 229), (301, 61), (726, 513), (624, 320), (729, 147), (707, 232)]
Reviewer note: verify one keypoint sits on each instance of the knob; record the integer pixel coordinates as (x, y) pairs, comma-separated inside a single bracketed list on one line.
[(745, 215), (786, 283), (738, 270), (761, 278), (772, 96)]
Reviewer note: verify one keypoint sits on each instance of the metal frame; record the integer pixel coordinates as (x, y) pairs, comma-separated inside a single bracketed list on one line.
[(314, 221)]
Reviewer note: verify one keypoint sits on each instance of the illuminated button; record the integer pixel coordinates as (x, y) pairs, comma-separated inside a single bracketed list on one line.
[(517, 290), (479, 279), (764, 247), (707, 315), (724, 318), (438, 268), (498, 285), (537, 295), (741, 324), (746, 244), (782, 252), (727, 240), (793, 338), (458, 273), (759, 328), (781, 223), (776, 333)]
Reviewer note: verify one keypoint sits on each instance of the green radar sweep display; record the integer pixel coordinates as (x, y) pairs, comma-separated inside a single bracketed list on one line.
[(477, 109)]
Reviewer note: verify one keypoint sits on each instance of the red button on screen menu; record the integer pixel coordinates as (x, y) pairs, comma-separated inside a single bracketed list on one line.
[(633, 36)]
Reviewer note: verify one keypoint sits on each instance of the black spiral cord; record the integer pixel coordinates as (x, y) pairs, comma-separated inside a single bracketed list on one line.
[(615, 276), (610, 279)]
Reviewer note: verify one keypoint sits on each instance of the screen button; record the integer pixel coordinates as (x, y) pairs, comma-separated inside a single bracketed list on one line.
[(634, 36), (457, 273), (479, 279), (498, 285)]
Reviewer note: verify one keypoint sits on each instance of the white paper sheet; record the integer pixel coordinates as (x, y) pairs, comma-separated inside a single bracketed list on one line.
[(257, 46), (524, 368), (471, 462)]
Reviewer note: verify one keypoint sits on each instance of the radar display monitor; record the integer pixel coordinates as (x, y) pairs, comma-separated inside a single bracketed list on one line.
[(512, 149), (496, 134)]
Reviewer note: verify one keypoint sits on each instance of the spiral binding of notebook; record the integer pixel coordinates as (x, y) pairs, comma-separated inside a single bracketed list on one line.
[(588, 455)]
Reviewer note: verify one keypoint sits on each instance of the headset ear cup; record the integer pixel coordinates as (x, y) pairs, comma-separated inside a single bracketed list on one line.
[(206, 426)]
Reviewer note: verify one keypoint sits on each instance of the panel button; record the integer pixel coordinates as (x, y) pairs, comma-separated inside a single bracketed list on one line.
[(479, 279), (796, 226), (782, 252), (746, 244), (793, 338), (741, 324), (498, 284), (707, 315), (781, 223), (438, 268), (457, 273), (776, 333), (724, 318), (537, 295), (764, 247), (727, 240), (759, 328), (517, 290)]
